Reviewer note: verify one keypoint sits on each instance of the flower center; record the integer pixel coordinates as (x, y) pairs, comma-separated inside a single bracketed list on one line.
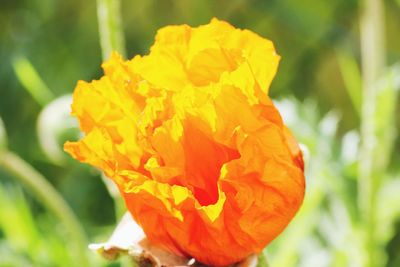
[(203, 161)]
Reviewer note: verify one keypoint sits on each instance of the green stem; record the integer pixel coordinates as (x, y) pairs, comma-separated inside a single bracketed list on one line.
[(31, 80), (111, 39), (3, 136), (373, 62), (110, 27), (49, 197)]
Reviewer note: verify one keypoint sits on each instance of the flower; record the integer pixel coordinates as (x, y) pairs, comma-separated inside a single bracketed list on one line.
[(195, 145)]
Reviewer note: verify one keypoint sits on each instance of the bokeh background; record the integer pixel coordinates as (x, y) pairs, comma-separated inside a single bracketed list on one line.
[(351, 215)]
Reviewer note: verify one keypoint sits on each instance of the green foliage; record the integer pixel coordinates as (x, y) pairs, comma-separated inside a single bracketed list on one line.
[(31, 80), (351, 78), (54, 126), (29, 239), (3, 136), (328, 229)]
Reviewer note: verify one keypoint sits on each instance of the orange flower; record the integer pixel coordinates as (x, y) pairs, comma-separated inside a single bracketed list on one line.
[(194, 143)]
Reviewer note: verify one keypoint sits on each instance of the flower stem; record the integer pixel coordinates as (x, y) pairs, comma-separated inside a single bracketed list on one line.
[(110, 27), (49, 197), (373, 62), (30, 79), (111, 39)]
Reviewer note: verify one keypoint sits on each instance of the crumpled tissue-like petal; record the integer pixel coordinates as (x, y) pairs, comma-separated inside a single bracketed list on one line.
[(195, 145)]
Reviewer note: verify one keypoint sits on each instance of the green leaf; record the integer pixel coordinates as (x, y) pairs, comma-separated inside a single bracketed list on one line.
[(388, 209), (385, 115), (352, 78)]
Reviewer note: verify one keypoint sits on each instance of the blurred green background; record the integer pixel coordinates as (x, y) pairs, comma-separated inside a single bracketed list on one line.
[(337, 88)]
